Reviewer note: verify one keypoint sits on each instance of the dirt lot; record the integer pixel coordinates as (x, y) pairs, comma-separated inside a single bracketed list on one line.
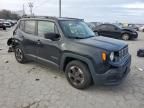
[(35, 86)]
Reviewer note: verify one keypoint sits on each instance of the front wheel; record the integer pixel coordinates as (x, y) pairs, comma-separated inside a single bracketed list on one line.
[(125, 37), (78, 75)]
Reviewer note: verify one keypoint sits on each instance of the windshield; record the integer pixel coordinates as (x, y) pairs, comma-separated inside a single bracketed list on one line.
[(118, 26), (76, 29)]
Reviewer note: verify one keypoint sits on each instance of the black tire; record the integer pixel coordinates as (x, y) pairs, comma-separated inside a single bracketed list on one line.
[(4, 28), (125, 36), (19, 55), (81, 73)]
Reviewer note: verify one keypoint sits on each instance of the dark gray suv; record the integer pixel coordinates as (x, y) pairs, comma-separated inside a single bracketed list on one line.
[(70, 45)]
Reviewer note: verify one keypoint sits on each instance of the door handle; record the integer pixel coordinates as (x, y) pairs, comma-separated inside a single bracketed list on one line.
[(22, 36)]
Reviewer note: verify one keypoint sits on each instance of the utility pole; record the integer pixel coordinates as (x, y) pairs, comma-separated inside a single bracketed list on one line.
[(23, 9), (31, 8), (59, 8)]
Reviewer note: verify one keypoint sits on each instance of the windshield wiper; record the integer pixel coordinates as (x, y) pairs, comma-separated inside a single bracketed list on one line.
[(80, 37), (88, 37), (72, 37)]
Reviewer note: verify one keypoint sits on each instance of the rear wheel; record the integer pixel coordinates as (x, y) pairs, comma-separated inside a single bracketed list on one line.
[(125, 37), (19, 55), (78, 75)]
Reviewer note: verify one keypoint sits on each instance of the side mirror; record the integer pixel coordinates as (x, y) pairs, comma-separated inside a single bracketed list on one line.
[(52, 36), (96, 33)]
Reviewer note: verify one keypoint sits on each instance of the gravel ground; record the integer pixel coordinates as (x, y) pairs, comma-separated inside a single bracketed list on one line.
[(32, 85)]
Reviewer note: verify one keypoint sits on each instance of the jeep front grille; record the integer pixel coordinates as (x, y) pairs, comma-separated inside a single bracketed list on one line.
[(121, 54)]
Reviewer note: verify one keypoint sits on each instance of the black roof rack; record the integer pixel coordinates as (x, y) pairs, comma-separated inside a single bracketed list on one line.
[(38, 17), (50, 17)]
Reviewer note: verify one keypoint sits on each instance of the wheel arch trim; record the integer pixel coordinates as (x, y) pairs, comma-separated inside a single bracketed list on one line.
[(81, 58)]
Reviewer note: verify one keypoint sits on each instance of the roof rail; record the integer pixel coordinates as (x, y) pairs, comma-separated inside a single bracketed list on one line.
[(52, 17), (71, 18)]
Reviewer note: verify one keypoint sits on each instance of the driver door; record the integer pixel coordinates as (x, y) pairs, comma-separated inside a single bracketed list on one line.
[(49, 51), (102, 30), (113, 31)]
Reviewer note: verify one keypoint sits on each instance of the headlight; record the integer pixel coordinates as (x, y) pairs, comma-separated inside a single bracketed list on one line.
[(112, 56)]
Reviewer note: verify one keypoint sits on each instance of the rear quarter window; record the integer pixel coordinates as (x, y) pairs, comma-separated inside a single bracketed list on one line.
[(21, 25)]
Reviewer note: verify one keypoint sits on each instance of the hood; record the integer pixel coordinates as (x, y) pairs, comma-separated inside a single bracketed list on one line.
[(128, 29), (105, 43)]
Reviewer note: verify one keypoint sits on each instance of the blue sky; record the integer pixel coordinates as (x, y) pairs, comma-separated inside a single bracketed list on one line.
[(91, 10)]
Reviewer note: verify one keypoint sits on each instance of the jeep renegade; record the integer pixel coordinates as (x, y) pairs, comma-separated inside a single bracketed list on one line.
[(70, 45)]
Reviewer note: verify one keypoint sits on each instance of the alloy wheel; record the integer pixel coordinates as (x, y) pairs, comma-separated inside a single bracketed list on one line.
[(19, 54), (76, 75), (125, 37)]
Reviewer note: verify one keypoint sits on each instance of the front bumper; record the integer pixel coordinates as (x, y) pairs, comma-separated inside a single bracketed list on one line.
[(134, 35), (115, 74)]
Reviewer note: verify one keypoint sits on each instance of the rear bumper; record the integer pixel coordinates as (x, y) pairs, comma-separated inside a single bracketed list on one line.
[(8, 26), (115, 75)]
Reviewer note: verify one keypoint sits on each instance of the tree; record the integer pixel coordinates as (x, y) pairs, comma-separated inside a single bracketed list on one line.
[(6, 14)]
